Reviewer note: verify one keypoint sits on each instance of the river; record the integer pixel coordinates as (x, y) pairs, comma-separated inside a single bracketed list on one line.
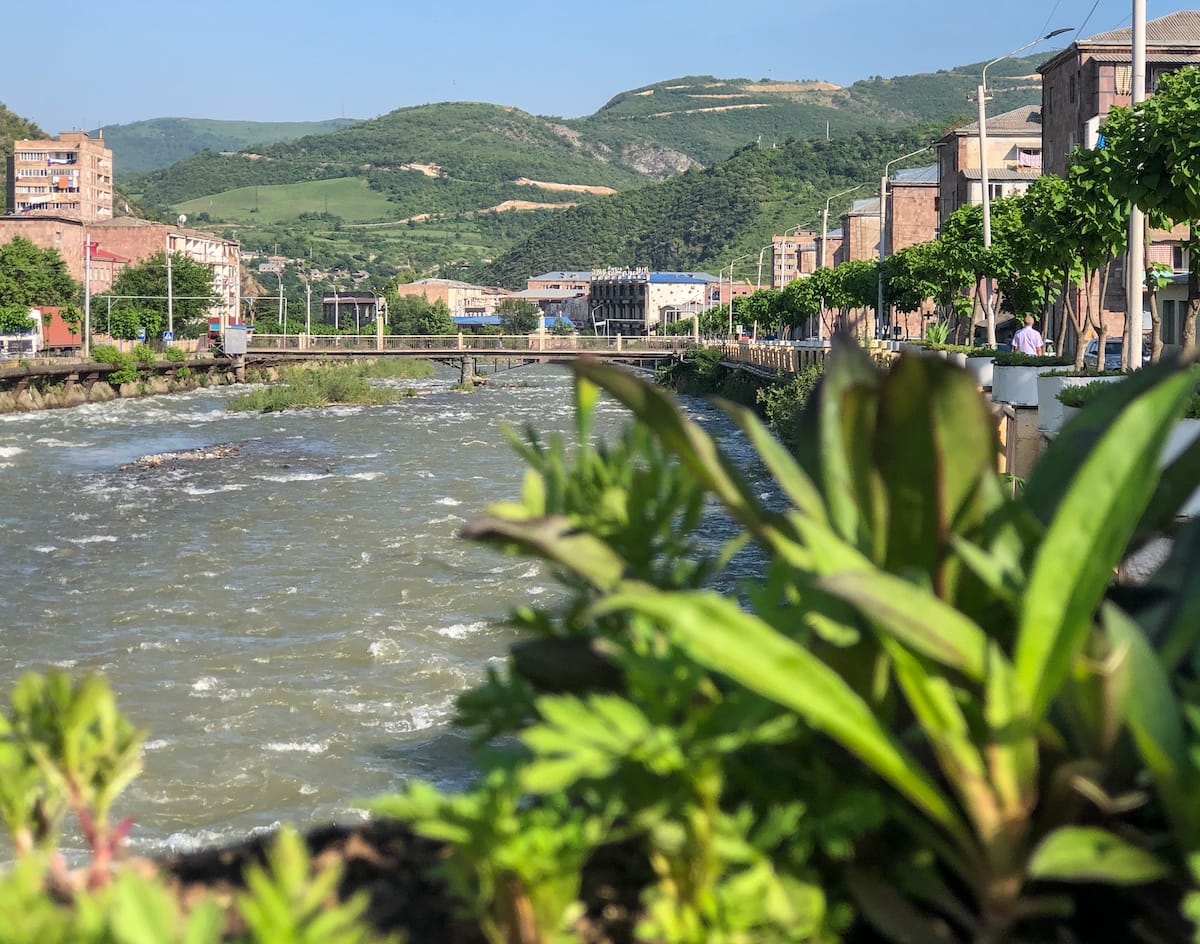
[(291, 623)]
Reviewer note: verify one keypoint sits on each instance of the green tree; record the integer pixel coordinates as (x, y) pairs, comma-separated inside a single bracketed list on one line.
[(143, 289), (1152, 160), (30, 276), (517, 316), (15, 319), (436, 320)]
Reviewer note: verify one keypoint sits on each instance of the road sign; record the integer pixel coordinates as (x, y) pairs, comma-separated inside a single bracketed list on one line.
[(141, 335), (168, 335)]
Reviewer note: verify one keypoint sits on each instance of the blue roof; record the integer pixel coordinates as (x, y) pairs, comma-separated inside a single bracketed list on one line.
[(476, 319), (685, 278)]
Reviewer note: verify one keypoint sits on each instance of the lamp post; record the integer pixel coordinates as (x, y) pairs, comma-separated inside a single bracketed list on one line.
[(87, 295), (275, 269), (307, 302), (758, 284), (981, 102), (879, 321), (824, 247), (731, 265)]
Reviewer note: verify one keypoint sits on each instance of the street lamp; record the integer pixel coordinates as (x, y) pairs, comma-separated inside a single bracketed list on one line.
[(731, 265), (307, 276), (882, 215), (277, 270), (758, 284), (981, 102), (825, 244)]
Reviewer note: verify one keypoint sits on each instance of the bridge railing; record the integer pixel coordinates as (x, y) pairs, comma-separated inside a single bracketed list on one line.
[(464, 342)]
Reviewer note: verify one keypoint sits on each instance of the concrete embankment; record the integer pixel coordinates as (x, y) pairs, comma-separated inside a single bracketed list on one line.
[(56, 385)]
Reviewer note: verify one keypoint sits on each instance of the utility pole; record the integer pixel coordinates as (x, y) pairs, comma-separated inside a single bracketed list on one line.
[(87, 296), (1135, 266)]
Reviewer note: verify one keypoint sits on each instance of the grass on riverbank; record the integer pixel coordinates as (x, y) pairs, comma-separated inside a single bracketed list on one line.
[(307, 387)]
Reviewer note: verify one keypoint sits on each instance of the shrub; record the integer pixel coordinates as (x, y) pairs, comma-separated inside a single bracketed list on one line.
[(126, 367), (143, 354), (1017, 359), (175, 355)]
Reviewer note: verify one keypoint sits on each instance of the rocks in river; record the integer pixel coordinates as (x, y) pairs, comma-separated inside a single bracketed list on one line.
[(171, 460)]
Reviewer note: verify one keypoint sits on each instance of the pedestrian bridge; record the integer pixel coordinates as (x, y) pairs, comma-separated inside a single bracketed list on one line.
[(542, 347)]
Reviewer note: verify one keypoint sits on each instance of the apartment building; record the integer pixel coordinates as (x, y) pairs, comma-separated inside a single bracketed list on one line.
[(911, 211), (792, 255), (70, 175), (462, 298), (860, 232), (1079, 86), (1014, 159), (560, 281), (1081, 83)]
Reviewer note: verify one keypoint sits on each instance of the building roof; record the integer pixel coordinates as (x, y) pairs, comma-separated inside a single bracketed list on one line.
[(1003, 173), (1024, 120), (868, 206), (564, 276), (917, 175), (1174, 29), (550, 294), (681, 278)]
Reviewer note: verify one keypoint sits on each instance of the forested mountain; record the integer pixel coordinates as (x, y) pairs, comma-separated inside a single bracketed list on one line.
[(707, 118), (12, 128), (160, 142), (701, 218)]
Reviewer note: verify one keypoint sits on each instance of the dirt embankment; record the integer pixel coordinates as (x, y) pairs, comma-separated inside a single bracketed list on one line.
[(573, 188)]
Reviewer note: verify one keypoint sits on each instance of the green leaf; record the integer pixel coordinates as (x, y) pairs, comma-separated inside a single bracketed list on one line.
[(914, 616), (657, 409), (1153, 716), (718, 635), (1090, 529), (1086, 854), (555, 539)]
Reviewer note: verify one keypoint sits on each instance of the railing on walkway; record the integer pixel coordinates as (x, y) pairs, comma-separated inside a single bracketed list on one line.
[(790, 357), (491, 343)]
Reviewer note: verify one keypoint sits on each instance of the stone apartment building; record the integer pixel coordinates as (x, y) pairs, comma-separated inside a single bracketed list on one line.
[(69, 175), (911, 210), (131, 240), (1079, 86), (860, 232), (793, 255), (1014, 159)]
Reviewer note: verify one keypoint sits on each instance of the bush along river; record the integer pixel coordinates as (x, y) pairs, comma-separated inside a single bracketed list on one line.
[(281, 599)]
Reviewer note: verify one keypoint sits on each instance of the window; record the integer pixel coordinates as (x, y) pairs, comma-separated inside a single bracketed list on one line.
[(995, 191), (1123, 80), (1071, 93), (1178, 258), (1170, 327)]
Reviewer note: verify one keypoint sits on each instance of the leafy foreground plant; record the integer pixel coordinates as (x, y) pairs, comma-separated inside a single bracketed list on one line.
[(928, 707), (65, 746)]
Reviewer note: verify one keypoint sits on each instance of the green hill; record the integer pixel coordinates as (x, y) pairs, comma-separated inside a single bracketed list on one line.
[(703, 218), (706, 118), (12, 128), (160, 142)]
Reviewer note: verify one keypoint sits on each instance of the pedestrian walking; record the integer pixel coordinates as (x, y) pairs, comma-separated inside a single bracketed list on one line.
[(1029, 340)]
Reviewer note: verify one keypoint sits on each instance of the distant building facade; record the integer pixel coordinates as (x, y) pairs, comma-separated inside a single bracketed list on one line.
[(71, 175), (560, 281), (132, 240), (352, 308), (1014, 159), (1079, 86), (635, 302), (911, 212), (860, 232), (462, 298)]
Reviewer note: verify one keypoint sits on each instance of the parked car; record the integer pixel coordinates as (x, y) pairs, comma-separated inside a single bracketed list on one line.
[(1112, 353)]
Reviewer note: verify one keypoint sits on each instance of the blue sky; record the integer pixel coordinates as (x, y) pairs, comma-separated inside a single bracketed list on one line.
[(129, 60)]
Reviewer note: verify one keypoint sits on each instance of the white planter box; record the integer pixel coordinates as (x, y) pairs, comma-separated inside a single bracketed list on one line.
[(981, 367), (1017, 385), (1182, 434), (1050, 411)]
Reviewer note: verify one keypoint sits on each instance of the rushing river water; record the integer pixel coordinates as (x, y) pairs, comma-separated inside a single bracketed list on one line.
[(291, 623)]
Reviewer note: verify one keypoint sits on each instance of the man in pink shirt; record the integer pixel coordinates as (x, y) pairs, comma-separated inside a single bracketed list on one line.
[(1029, 340)]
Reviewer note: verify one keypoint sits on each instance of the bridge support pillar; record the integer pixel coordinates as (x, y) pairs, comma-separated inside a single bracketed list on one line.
[(468, 370), (620, 343)]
